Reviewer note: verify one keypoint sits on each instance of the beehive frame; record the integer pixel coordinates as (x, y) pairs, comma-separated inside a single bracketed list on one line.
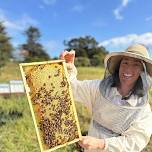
[(46, 107)]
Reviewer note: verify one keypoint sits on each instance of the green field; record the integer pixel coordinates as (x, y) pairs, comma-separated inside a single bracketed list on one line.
[(17, 132)]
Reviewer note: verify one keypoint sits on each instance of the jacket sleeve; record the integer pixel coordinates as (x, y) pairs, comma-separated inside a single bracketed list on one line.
[(135, 138), (83, 91)]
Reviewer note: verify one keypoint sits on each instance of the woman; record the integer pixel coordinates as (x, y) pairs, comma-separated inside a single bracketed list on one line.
[(121, 114)]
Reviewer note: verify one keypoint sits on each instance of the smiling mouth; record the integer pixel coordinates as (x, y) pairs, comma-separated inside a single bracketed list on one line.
[(127, 76)]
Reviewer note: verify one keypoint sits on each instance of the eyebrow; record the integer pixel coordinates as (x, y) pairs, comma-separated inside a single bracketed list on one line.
[(135, 60)]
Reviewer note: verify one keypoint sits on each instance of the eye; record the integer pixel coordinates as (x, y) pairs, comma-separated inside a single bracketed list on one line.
[(136, 64), (124, 62)]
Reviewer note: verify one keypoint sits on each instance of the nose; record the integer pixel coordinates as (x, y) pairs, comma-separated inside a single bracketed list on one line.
[(129, 69)]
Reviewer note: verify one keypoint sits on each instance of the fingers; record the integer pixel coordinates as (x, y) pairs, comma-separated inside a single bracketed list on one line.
[(68, 56), (63, 54), (72, 54), (89, 142), (83, 146), (84, 142)]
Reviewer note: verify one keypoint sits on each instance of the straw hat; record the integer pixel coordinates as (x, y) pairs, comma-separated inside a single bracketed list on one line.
[(137, 51)]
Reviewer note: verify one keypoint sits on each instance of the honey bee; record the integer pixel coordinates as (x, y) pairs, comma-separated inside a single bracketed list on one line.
[(41, 66), (57, 74), (27, 77), (56, 66), (57, 122)]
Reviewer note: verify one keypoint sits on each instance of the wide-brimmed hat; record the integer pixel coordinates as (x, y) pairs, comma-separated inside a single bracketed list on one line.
[(137, 51)]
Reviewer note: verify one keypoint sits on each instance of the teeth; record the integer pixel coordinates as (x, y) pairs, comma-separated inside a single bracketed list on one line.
[(127, 75)]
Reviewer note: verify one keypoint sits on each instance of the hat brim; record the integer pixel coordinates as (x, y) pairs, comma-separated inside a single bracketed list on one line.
[(113, 59)]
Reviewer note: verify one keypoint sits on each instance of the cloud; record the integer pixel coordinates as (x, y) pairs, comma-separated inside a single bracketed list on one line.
[(149, 18), (15, 28), (21, 24), (46, 3), (125, 3), (120, 8), (41, 7), (18, 25), (78, 8), (116, 42), (49, 2)]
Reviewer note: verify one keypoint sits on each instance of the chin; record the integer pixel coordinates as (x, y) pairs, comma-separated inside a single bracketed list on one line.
[(127, 82)]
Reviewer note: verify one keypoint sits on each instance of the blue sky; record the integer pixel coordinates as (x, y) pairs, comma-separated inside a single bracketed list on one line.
[(115, 24)]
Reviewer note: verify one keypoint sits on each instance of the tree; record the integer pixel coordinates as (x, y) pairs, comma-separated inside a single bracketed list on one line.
[(6, 47), (87, 47), (32, 50)]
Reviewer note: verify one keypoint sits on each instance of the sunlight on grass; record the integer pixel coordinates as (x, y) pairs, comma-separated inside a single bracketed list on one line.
[(10, 72), (18, 132), (90, 73)]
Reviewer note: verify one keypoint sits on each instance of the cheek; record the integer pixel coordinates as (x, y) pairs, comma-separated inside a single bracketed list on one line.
[(137, 73), (122, 70), (138, 70)]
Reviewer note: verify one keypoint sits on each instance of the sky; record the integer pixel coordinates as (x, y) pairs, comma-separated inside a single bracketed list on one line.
[(115, 24)]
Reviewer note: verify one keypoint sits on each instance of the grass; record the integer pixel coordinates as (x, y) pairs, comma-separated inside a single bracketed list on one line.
[(16, 127), (90, 73), (17, 132), (10, 72)]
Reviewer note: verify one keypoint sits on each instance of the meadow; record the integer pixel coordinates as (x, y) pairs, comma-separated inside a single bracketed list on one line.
[(17, 132)]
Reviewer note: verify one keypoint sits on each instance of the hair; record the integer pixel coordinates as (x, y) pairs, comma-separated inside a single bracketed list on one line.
[(138, 87)]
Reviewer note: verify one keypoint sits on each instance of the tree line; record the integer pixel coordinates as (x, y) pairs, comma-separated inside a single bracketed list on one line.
[(88, 51)]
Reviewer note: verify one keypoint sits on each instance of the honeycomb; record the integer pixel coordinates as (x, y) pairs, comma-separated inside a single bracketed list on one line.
[(51, 103)]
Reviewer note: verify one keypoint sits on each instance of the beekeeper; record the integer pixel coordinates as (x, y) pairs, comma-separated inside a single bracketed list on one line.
[(121, 114)]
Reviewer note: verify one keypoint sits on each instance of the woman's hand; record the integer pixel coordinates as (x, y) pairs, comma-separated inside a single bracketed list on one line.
[(69, 58), (91, 143)]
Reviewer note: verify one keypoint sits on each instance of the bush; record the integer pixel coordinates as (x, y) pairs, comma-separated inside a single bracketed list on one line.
[(82, 61)]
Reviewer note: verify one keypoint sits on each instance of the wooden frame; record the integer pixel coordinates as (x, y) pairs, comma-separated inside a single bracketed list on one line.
[(51, 103)]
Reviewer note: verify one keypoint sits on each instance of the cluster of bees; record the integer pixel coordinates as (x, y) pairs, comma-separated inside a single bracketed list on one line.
[(52, 104)]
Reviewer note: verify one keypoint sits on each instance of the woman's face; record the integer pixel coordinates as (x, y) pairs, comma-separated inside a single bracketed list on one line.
[(129, 71)]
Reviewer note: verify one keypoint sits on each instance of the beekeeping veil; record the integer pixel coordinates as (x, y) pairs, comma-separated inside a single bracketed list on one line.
[(137, 51)]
